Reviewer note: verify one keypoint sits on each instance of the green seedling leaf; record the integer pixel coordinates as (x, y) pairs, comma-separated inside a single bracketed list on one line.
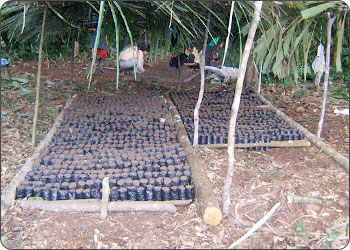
[(5, 236), (300, 226), (35, 198), (14, 84), (338, 96), (20, 79), (20, 235), (25, 91), (334, 235), (250, 164)]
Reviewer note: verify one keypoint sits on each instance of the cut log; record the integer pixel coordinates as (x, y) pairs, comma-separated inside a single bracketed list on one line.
[(91, 205), (279, 144), (9, 194), (339, 158), (203, 188)]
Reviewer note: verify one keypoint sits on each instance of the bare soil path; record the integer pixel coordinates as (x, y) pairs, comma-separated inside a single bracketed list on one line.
[(261, 179)]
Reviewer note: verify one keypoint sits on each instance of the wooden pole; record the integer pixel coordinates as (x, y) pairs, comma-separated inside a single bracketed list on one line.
[(228, 31), (91, 205), (261, 222), (72, 66), (38, 80), (105, 197), (205, 197), (326, 75), (342, 160), (278, 144), (226, 199), (97, 40), (201, 90), (116, 27)]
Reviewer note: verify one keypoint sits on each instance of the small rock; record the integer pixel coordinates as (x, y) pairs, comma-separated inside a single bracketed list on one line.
[(346, 140), (300, 110)]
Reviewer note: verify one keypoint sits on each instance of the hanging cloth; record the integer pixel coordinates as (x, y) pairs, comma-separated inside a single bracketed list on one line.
[(319, 64)]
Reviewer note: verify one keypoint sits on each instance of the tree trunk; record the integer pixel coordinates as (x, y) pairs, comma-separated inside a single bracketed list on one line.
[(235, 106), (326, 75), (228, 31), (201, 90), (38, 80)]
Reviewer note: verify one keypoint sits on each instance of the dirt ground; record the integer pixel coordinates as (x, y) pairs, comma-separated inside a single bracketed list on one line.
[(261, 179)]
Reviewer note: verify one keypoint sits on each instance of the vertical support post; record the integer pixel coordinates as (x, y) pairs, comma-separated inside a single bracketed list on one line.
[(72, 66), (38, 80), (226, 197), (201, 91), (228, 32), (326, 75), (260, 77)]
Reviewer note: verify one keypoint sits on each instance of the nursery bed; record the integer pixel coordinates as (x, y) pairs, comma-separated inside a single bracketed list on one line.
[(255, 123), (123, 137)]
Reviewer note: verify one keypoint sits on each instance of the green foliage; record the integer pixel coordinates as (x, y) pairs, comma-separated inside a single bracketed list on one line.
[(341, 93), (36, 198), (300, 93), (300, 227), (52, 111)]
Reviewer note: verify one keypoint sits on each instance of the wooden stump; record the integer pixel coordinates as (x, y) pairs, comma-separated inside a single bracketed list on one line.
[(203, 188)]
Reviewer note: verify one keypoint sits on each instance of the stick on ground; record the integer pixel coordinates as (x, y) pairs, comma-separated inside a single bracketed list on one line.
[(256, 226)]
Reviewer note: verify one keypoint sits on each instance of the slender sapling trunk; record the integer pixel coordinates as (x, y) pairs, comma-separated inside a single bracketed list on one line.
[(326, 75), (226, 199), (201, 91), (38, 80)]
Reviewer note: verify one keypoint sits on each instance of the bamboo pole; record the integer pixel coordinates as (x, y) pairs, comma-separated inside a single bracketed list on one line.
[(205, 197), (201, 90), (72, 67), (326, 75), (278, 144), (38, 80), (226, 199), (97, 41), (116, 27), (342, 160), (228, 31)]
